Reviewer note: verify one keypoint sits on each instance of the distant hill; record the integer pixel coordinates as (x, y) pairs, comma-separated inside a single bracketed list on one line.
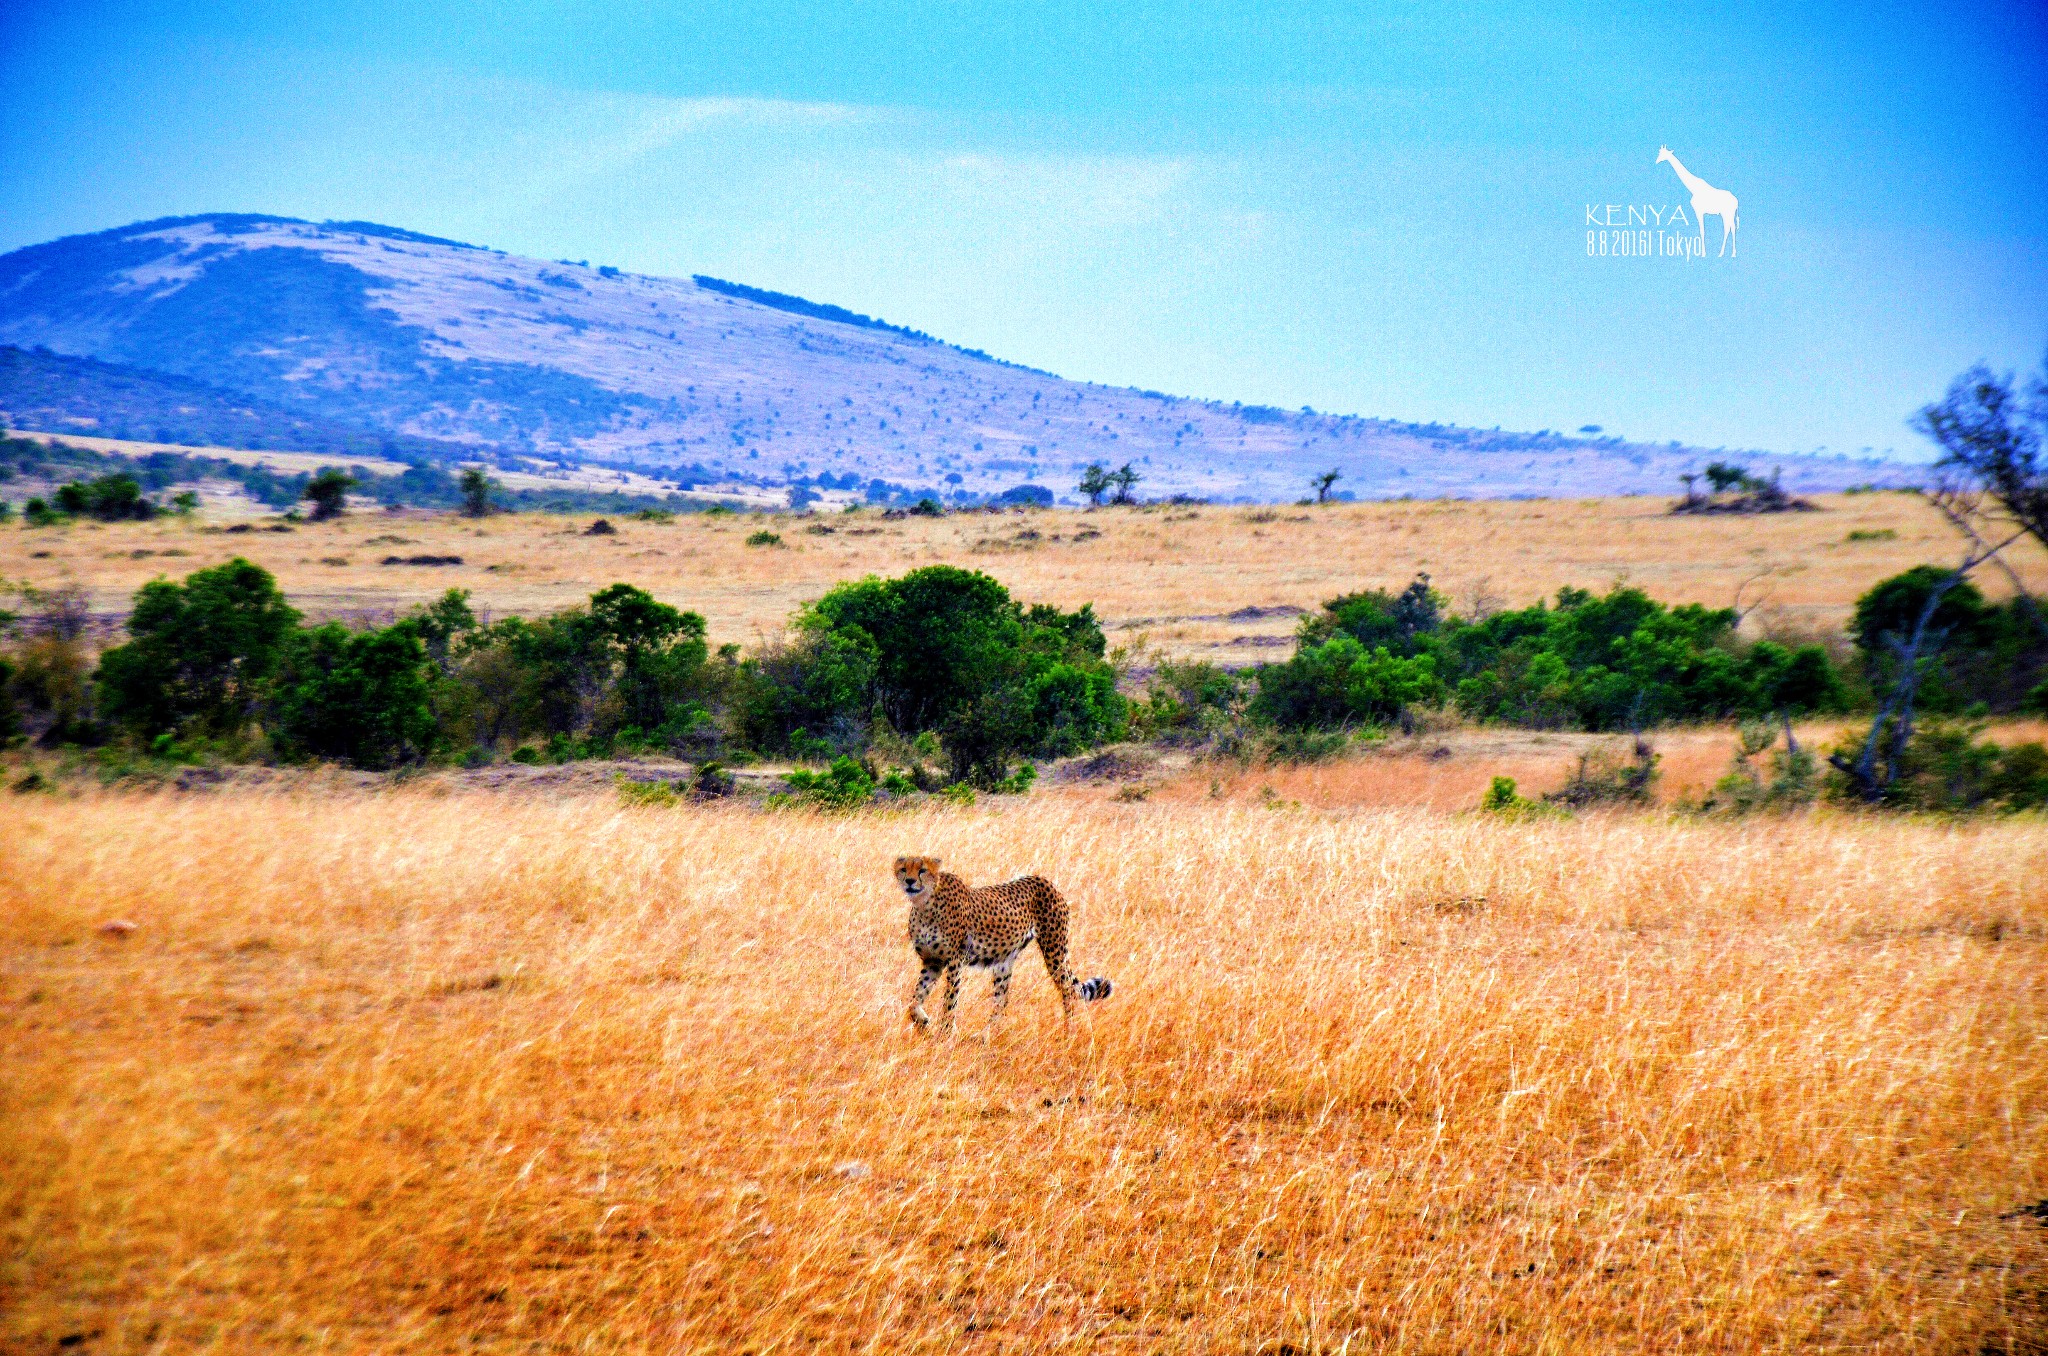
[(57, 393), (351, 329)]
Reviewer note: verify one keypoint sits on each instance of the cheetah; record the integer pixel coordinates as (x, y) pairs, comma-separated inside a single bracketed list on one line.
[(953, 924)]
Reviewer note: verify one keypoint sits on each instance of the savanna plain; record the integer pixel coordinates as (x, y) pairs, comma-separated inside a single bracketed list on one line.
[(434, 1065)]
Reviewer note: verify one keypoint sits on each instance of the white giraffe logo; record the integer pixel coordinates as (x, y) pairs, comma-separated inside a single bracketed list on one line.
[(1707, 201)]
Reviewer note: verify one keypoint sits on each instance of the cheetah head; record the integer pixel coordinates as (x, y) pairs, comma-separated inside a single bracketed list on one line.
[(917, 875)]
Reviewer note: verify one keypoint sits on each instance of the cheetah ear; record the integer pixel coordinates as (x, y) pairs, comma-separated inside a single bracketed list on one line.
[(934, 864)]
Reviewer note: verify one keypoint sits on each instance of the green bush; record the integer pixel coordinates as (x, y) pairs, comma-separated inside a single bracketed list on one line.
[(1504, 801), (1189, 700), (943, 651), (1949, 768), (1790, 779), (1604, 777), (361, 697), (328, 491), (763, 538), (646, 795), (845, 785), (1996, 654), (625, 663), (109, 498), (1590, 662), (1340, 682), (201, 654)]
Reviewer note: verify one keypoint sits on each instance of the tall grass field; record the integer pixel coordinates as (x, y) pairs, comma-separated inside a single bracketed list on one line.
[(427, 1070)]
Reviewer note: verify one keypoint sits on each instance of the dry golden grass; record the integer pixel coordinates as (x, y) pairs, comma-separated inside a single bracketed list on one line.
[(1450, 769), (405, 1071), (1168, 575)]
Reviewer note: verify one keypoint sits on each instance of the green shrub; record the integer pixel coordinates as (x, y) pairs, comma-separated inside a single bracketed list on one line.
[(1590, 662), (1949, 768), (527, 755), (1018, 783), (1604, 777), (201, 654), (1340, 682), (940, 651), (845, 785), (1790, 779), (328, 491), (50, 673), (475, 486), (763, 538), (1502, 800), (713, 781), (646, 795), (1189, 700), (1996, 654), (109, 498), (363, 697)]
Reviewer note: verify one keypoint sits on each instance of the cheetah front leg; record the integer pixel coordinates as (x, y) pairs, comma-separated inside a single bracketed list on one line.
[(952, 996), (918, 1016)]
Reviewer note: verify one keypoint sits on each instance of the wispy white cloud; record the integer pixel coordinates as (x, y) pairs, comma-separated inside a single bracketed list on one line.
[(1083, 190)]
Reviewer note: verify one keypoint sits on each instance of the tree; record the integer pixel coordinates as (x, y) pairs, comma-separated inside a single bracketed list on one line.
[(950, 652), (363, 697), (1095, 482), (329, 492), (660, 650), (1875, 769), (1990, 433), (476, 487), (1725, 476), (202, 652), (1323, 483), (1125, 478), (110, 498)]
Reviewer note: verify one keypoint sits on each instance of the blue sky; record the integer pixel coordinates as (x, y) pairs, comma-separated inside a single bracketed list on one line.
[(1375, 210)]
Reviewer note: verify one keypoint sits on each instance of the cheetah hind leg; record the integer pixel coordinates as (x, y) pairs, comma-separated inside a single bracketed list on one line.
[(999, 974)]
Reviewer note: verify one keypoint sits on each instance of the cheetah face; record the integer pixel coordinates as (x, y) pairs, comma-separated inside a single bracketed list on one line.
[(917, 875)]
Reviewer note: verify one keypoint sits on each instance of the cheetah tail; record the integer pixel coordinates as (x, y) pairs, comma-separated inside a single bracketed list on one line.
[(1093, 990)]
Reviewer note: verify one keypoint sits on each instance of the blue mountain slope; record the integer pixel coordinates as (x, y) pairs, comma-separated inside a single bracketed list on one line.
[(378, 328)]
